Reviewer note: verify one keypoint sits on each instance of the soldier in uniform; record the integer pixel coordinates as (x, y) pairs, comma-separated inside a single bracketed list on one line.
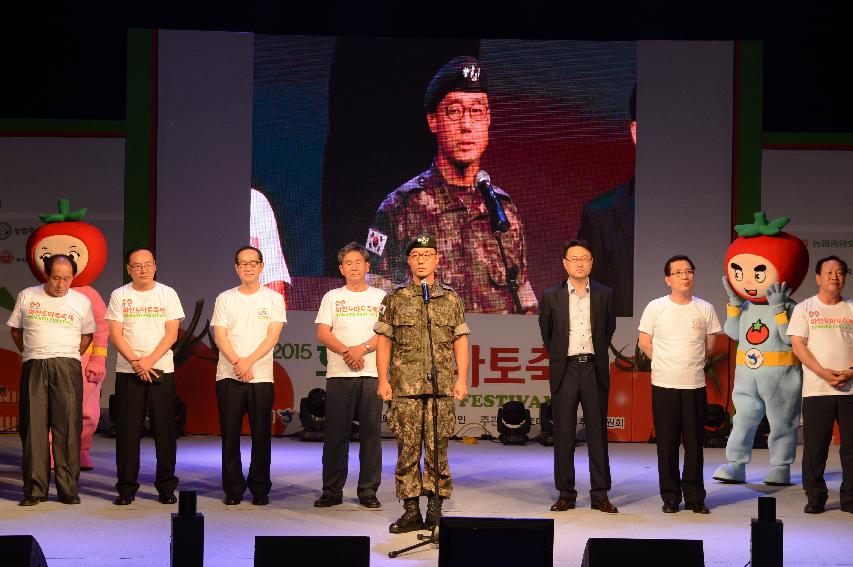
[(403, 344), (443, 201)]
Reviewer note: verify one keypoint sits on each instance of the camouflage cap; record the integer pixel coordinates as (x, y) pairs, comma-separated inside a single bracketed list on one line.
[(421, 241), (462, 73)]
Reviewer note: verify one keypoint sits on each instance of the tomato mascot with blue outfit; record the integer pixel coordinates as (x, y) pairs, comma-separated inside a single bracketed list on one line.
[(764, 266)]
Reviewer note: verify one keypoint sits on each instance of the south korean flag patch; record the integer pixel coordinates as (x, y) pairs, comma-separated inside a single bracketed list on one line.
[(376, 241)]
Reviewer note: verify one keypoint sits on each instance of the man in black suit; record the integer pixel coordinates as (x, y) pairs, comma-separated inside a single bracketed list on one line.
[(577, 321)]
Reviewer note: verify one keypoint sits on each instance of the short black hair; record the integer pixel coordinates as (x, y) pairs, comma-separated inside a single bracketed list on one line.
[(243, 248), (352, 247), (51, 260), (136, 249), (577, 242), (676, 258), (819, 265)]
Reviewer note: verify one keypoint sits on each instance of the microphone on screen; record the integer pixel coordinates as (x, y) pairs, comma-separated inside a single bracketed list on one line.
[(497, 216)]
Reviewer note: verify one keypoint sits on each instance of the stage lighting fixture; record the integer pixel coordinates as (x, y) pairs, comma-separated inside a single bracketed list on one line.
[(715, 417), (546, 422), (312, 414), (187, 548), (513, 423)]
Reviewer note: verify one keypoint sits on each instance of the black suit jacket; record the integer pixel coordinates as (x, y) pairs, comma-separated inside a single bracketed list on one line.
[(554, 326)]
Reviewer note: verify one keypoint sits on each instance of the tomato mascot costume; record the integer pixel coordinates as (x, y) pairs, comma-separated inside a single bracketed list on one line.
[(764, 266), (66, 233)]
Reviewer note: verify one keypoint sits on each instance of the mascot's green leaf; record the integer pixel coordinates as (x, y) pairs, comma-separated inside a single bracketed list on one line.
[(761, 227), (65, 213)]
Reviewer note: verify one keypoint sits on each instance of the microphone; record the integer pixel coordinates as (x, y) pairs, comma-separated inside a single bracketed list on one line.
[(497, 217), (425, 292)]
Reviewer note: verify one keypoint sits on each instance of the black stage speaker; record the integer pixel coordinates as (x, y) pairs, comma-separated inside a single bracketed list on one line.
[(606, 552), (463, 542), (275, 551), (21, 551)]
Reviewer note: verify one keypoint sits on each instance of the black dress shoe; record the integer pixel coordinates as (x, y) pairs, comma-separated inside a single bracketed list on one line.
[(231, 500), (698, 508), (167, 498), (32, 500), (326, 501), (814, 508), (71, 499), (260, 500), (670, 507), (86, 469), (123, 500), (562, 504), (604, 505), (370, 501), (847, 508)]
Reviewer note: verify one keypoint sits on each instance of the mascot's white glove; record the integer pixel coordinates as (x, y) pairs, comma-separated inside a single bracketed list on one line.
[(778, 295)]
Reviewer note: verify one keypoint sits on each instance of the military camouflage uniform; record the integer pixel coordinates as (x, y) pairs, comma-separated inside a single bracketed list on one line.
[(402, 320), (458, 219)]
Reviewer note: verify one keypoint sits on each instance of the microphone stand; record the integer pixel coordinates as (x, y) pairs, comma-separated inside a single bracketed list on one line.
[(511, 274), (432, 537)]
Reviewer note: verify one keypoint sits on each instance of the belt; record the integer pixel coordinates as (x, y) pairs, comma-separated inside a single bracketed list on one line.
[(753, 358), (582, 358)]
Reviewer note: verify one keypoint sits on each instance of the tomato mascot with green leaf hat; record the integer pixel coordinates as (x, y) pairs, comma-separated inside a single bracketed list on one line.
[(66, 233), (764, 266)]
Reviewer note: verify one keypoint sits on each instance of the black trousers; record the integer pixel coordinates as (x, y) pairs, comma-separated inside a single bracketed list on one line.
[(133, 397), (236, 399), (51, 401), (348, 399), (579, 385), (819, 414), (679, 417)]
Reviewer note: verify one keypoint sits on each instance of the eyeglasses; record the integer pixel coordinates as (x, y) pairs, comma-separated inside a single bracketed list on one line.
[(422, 256), (141, 267), (456, 111), (682, 273), (249, 264), (578, 259)]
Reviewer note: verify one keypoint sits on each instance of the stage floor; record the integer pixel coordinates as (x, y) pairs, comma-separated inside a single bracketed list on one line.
[(489, 480)]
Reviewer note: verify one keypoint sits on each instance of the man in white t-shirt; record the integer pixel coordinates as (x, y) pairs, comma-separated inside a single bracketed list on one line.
[(677, 333), (143, 317), (821, 331), (247, 323), (51, 325), (345, 326)]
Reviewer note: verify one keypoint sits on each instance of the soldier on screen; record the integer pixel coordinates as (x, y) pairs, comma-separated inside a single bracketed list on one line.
[(443, 201)]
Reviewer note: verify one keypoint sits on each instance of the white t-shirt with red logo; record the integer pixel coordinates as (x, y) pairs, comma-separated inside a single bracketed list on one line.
[(828, 330), (351, 315), (144, 315), (246, 319), (678, 340), (52, 325)]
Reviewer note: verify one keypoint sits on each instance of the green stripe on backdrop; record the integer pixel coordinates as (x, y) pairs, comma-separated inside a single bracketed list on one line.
[(140, 171), (748, 130)]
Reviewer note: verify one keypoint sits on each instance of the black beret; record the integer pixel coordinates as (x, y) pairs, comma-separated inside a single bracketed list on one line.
[(421, 241), (462, 73)]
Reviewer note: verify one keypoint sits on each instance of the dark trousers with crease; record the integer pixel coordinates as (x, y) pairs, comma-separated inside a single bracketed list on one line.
[(579, 385), (51, 401), (236, 399), (133, 397), (819, 414), (679, 416), (348, 399)]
